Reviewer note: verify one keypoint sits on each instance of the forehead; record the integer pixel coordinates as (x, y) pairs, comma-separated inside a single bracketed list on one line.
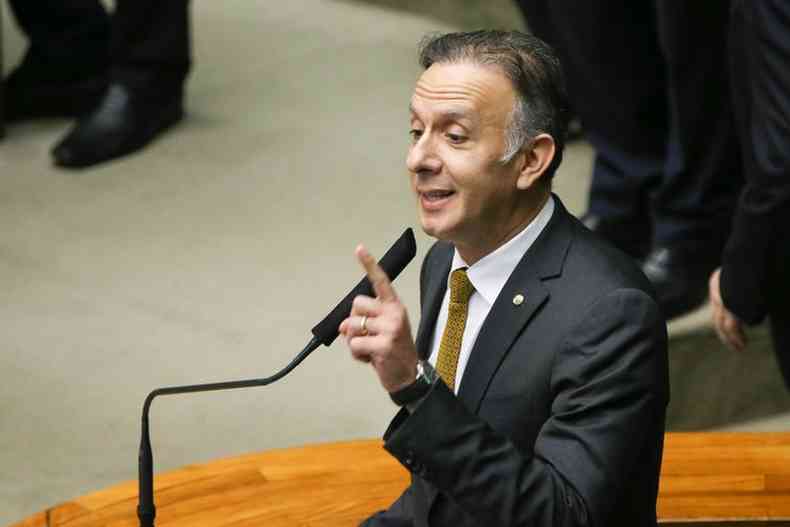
[(463, 89)]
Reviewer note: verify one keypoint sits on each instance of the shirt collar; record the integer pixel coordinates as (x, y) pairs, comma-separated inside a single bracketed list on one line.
[(489, 274)]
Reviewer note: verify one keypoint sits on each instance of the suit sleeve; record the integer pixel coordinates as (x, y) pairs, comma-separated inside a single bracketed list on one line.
[(761, 52), (398, 514), (610, 390)]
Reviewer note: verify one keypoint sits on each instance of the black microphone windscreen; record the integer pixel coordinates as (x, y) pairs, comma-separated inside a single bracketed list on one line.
[(393, 262)]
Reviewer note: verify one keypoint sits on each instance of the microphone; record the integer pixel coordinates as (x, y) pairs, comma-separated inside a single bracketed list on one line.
[(325, 332), (393, 262)]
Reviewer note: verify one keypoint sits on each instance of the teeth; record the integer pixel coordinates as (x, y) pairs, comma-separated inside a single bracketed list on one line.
[(436, 194)]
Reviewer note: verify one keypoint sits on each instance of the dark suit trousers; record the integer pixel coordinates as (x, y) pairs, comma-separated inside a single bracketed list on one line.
[(755, 279), (649, 83), (145, 44)]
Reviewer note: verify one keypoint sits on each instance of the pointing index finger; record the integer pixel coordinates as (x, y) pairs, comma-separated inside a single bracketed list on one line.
[(378, 278)]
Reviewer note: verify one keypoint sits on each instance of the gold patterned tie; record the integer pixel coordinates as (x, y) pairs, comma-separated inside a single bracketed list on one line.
[(449, 348)]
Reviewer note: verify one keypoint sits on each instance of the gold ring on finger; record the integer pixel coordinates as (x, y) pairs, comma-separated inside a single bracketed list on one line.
[(363, 326)]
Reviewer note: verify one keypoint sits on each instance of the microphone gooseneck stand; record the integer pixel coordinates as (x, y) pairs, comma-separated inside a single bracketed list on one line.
[(146, 510), (325, 332)]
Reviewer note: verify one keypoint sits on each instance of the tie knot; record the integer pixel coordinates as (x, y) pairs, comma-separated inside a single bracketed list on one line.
[(460, 287)]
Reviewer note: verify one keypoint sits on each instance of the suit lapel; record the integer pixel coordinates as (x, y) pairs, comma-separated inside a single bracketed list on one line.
[(503, 324), (510, 314)]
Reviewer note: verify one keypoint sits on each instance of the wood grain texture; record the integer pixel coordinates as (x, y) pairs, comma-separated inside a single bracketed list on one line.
[(716, 479), (707, 480)]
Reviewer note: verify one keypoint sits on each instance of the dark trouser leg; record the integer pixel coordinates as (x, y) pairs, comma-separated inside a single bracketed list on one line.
[(150, 61), (64, 70), (696, 198), (779, 314), (615, 78), (68, 38), (693, 206), (2, 88), (151, 46), (778, 286)]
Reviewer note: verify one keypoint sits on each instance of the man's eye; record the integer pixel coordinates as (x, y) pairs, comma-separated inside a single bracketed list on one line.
[(456, 138), (415, 134)]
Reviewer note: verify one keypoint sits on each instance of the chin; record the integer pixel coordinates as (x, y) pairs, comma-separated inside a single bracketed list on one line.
[(441, 224), (436, 230), (429, 228)]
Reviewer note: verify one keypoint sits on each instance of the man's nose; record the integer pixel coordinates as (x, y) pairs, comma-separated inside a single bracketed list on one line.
[(423, 156)]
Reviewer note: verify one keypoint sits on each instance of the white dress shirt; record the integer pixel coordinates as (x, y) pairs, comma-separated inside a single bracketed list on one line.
[(488, 276)]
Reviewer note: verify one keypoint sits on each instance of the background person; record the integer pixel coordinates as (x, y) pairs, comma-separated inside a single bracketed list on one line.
[(754, 279), (649, 83), (122, 76)]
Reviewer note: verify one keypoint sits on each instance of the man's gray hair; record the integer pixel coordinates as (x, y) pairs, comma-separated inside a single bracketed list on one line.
[(533, 68), (517, 133)]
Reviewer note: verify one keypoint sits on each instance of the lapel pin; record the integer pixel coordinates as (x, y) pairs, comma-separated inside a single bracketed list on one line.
[(518, 300)]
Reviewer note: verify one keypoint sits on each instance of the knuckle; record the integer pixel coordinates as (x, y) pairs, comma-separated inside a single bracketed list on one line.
[(396, 324), (399, 315)]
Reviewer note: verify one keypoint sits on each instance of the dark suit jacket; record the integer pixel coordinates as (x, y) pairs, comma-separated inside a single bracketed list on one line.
[(560, 416)]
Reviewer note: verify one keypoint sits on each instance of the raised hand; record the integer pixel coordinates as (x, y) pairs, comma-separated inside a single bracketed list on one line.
[(378, 332)]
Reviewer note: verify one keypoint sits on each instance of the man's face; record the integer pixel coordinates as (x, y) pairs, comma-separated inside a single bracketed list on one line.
[(465, 194)]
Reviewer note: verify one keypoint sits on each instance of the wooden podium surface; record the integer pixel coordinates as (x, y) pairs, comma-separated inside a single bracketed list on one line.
[(708, 479)]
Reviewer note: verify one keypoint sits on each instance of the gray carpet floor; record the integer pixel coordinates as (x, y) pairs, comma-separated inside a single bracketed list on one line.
[(211, 255)]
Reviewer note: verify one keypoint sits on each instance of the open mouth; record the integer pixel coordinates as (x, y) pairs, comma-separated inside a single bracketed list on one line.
[(436, 195), (433, 200)]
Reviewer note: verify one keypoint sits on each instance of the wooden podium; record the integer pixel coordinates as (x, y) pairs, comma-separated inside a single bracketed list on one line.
[(708, 479)]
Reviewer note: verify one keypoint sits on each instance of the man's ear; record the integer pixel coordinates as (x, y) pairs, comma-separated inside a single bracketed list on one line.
[(535, 159)]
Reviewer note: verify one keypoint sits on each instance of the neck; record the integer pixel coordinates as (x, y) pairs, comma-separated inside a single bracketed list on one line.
[(473, 252)]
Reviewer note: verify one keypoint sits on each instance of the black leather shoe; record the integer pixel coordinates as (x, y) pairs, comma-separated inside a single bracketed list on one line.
[(680, 277), (122, 123), (631, 237)]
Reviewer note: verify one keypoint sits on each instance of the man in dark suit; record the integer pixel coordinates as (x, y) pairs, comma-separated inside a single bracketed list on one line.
[(122, 77), (535, 393), (754, 280)]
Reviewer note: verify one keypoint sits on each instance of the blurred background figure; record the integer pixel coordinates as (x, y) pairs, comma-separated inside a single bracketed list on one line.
[(649, 83), (122, 76), (754, 280)]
